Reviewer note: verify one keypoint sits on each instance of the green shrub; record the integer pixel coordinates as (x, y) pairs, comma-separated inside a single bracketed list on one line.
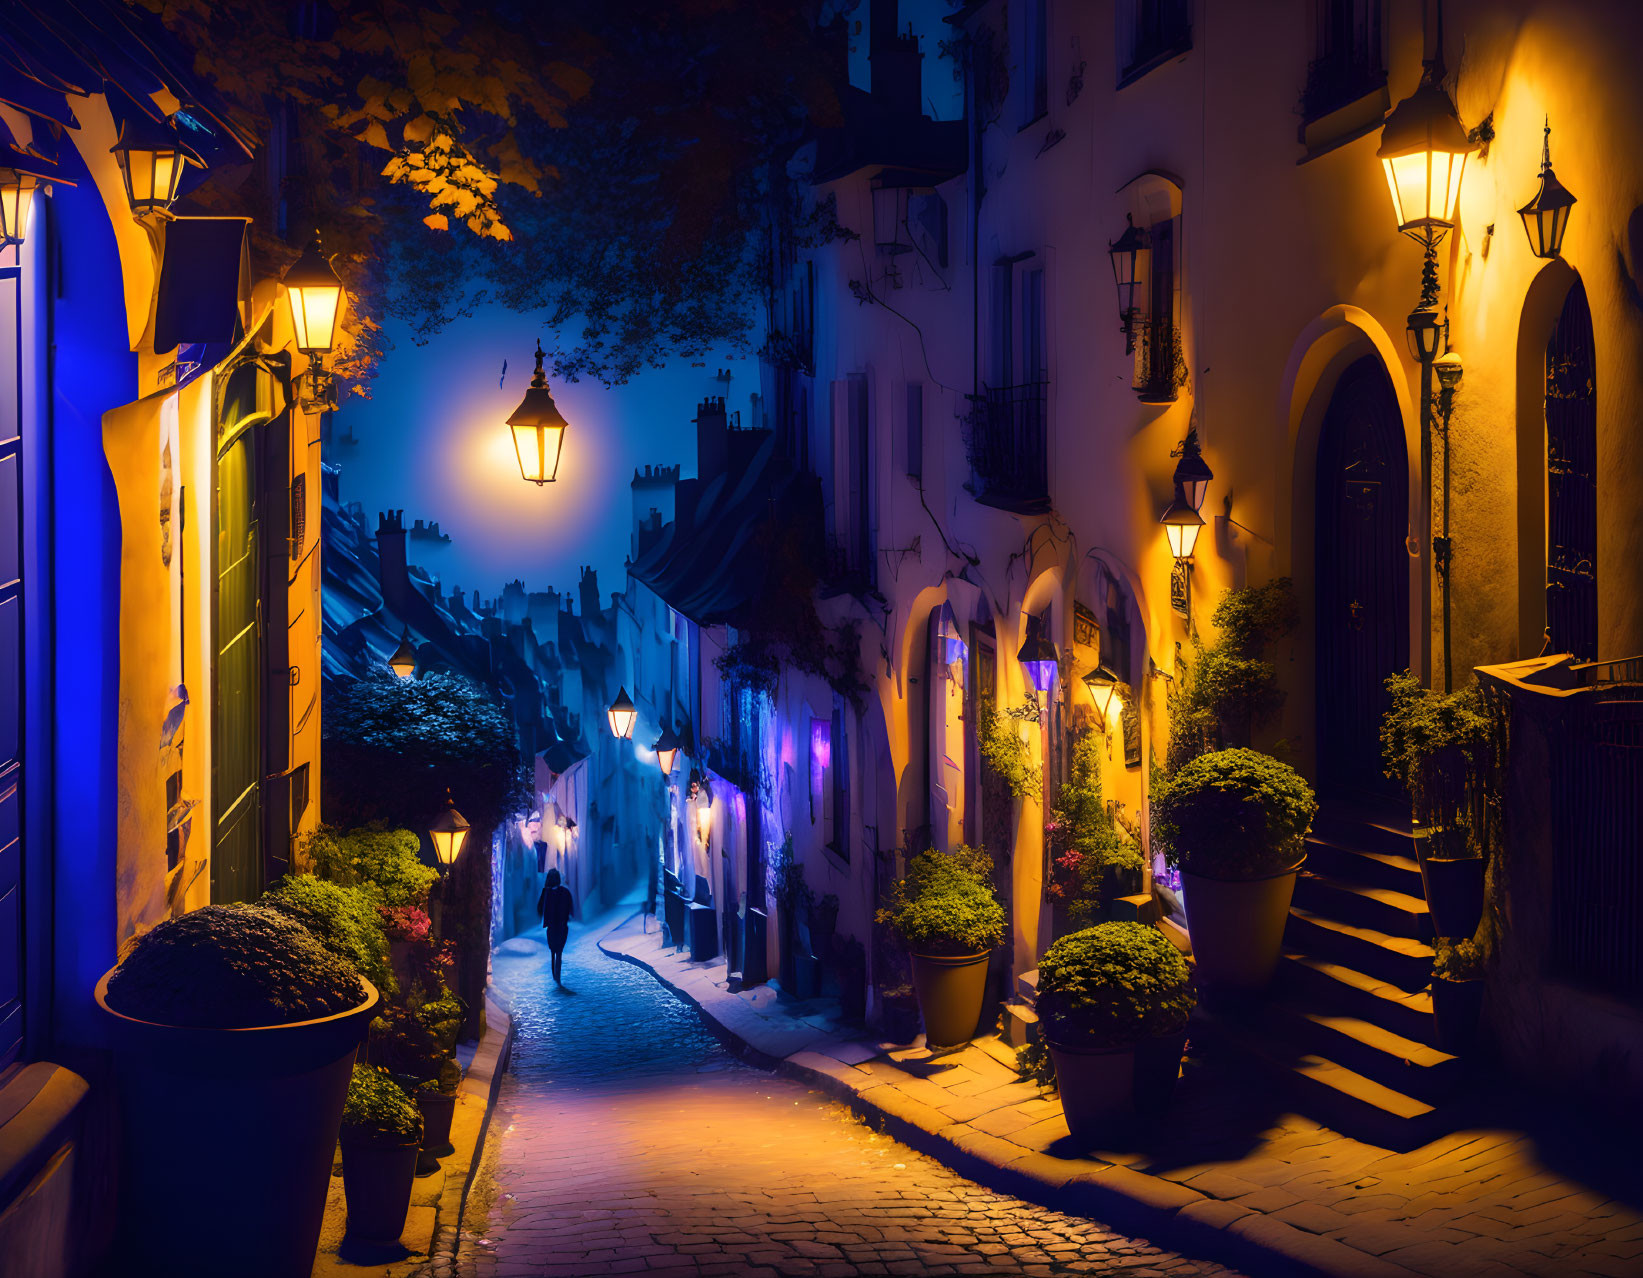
[(404, 1045), (1441, 748), (232, 967), (383, 863), (1004, 751), (1112, 985), (442, 1017), (342, 919), (1228, 689), (1233, 814), (945, 905), (378, 1110), (1457, 960), (1085, 842)]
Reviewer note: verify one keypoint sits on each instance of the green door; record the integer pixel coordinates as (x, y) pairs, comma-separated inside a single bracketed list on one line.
[(236, 719)]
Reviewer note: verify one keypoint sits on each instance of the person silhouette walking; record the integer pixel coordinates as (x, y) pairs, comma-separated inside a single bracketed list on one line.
[(555, 906)]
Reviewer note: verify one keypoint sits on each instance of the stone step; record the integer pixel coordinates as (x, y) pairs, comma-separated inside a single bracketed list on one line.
[(1404, 962), (1374, 869), (1142, 908), (1390, 1059), (1335, 988), (1365, 829), (1020, 1023), (1385, 910), (1329, 1092), (1026, 987)]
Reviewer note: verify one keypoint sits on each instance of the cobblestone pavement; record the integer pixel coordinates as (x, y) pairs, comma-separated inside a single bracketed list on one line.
[(627, 1140)]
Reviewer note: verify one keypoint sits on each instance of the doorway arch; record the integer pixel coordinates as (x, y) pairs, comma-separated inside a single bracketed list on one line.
[(1362, 573)]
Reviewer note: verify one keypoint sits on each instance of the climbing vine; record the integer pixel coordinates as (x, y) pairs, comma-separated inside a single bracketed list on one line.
[(1006, 753)]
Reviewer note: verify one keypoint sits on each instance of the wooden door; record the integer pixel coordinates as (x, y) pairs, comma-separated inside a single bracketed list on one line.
[(1571, 480), (1362, 574), (236, 704)]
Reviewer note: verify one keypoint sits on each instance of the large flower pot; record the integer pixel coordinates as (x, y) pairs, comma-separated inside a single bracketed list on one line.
[(950, 989), (1456, 1008), (1454, 893), (1157, 1069), (227, 1139), (376, 1181), (1237, 927), (1097, 1087), (437, 1110)]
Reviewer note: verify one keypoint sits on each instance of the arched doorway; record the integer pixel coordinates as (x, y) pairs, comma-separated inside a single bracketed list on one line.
[(1571, 480), (1362, 574)]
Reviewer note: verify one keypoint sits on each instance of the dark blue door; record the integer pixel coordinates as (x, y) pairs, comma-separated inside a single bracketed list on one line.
[(11, 669)]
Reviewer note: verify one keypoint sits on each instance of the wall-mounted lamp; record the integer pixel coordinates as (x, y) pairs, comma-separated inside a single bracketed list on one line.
[(1126, 252), (1038, 656), (403, 662), (1182, 524), (667, 750), (315, 294), (538, 430), (622, 714), (21, 174), (1103, 686), (1546, 217), (151, 158), (1192, 472), (449, 832)]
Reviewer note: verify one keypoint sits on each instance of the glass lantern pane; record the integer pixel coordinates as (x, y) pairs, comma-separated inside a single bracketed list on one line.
[(314, 316)]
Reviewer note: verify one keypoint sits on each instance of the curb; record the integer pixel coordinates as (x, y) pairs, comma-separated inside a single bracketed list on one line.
[(481, 1083), (1166, 1214)]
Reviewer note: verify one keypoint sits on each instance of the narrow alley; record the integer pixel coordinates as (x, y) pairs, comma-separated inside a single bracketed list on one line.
[(627, 1140)]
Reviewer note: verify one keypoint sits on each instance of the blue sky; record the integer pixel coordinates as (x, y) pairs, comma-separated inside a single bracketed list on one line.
[(432, 439)]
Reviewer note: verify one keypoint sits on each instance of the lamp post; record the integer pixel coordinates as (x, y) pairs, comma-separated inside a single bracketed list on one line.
[(1546, 217), (449, 833), (538, 430), (314, 293), (1423, 150), (1126, 252), (403, 662), (1448, 368), (622, 714)]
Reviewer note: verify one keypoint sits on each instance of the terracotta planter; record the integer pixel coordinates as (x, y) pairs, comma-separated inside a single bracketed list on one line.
[(1097, 1087), (1454, 893), (1456, 1009), (376, 1180), (1237, 927), (238, 1124), (950, 990), (437, 1110)]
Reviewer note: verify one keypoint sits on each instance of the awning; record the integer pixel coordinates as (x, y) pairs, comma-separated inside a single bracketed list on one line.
[(199, 299)]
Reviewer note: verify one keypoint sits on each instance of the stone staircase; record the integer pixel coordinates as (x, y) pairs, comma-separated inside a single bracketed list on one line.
[(1347, 1027)]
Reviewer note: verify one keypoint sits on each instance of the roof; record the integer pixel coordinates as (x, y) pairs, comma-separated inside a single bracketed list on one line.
[(707, 563)]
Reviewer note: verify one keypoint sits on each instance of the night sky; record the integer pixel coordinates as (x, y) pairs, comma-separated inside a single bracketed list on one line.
[(431, 438)]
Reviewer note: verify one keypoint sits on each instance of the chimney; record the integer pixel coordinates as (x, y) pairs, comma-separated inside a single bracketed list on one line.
[(894, 63), (589, 591), (711, 442), (392, 575)]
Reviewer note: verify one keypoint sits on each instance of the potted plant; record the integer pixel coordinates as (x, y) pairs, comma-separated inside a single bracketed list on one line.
[(1234, 822), (381, 1134), (945, 912), (436, 1098), (1113, 1002), (233, 1029), (1440, 746), (1457, 994), (1093, 862), (342, 919)]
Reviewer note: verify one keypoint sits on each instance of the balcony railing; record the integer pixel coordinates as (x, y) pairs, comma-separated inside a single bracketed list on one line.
[(1009, 448)]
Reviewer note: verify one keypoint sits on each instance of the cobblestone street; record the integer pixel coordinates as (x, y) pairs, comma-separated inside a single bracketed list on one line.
[(627, 1140)]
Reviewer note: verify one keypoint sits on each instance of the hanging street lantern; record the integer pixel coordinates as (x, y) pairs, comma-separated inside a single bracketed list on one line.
[(1038, 656), (1103, 686), (1182, 524), (538, 430), (667, 750), (1546, 217), (403, 662), (622, 714), (704, 820), (315, 294), (21, 174), (151, 158), (1192, 473), (449, 832), (1126, 252)]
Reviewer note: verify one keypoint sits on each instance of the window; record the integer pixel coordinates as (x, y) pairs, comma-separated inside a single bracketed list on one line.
[(1035, 60), (1348, 62), (915, 431), (1008, 447), (1154, 205), (1150, 33), (299, 796)]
